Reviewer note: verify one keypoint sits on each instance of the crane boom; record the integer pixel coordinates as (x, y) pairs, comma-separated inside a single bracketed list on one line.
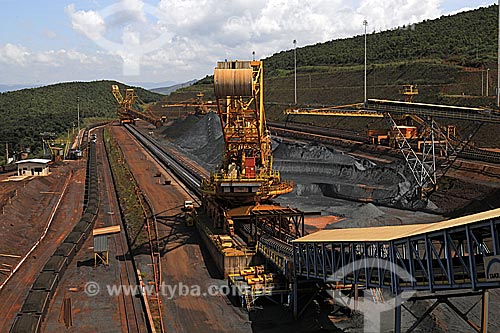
[(126, 111)]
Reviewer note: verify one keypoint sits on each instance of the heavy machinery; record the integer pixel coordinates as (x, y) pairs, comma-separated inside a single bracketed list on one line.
[(190, 213), (246, 176), (428, 147), (199, 106), (126, 111)]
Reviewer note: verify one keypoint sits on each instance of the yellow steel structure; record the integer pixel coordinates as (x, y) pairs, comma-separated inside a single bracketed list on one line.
[(59, 148), (350, 110), (246, 174), (126, 111), (200, 106), (409, 92)]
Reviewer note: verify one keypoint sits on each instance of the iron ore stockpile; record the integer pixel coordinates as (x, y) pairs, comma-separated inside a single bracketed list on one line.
[(323, 176), (344, 191)]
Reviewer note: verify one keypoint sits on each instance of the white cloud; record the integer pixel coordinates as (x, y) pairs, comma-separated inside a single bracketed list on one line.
[(129, 11), (484, 4), (14, 54), (23, 66), (88, 23), (385, 14), (193, 34)]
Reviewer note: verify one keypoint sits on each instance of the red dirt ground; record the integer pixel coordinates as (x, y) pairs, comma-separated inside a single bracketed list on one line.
[(23, 222)]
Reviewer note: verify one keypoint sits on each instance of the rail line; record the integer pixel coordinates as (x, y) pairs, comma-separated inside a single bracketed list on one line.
[(190, 176), (36, 304), (126, 274)]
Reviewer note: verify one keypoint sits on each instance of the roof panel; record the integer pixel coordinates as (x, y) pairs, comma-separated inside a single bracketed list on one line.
[(34, 160), (106, 230), (101, 243), (389, 233)]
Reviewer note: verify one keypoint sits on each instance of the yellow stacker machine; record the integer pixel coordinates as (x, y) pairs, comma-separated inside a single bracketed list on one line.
[(126, 111), (246, 176)]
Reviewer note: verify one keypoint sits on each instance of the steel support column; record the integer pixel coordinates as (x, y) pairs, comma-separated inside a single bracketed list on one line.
[(295, 298), (397, 314), (484, 311)]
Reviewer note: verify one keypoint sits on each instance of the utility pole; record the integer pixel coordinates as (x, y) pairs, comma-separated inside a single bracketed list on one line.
[(295, 69), (482, 82), (78, 115), (365, 23), (6, 153), (487, 82)]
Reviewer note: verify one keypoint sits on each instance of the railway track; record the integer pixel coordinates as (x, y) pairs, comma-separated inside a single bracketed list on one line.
[(190, 175), (36, 304), (35, 312), (130, 312)]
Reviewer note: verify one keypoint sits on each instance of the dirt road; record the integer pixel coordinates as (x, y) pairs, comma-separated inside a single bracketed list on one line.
[(184, 262)]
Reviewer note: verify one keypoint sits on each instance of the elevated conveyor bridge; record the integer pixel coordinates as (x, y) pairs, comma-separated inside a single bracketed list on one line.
[(461, 253), (376, 108)]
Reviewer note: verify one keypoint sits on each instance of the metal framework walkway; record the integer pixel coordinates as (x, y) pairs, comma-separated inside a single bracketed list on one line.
[(460, 253), (272, 229), (437, 147)]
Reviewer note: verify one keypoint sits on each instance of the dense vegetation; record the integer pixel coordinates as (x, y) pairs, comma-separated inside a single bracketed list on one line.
[(432, 54), (467, 39), (24, 114)]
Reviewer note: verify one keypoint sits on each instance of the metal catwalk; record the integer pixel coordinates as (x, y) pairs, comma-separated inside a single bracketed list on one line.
[(455, 254)]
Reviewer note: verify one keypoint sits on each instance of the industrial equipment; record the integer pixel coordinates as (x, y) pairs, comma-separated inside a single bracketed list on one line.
[(190, 213), (126, 111), (199, 106), (437, 147), (56, 149), (246, 175), (409, 92)]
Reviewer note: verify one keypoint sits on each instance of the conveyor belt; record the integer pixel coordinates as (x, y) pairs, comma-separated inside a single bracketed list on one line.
[(451, 254)]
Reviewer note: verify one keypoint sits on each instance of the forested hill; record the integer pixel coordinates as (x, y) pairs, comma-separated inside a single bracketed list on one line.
[(24, 114), (446, 57), (466, 39)]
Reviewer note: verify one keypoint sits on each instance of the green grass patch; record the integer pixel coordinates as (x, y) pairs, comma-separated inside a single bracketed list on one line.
[(128, 195)]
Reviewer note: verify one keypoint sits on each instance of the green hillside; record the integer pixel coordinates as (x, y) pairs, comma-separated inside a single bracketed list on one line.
[(466, 39), (24, 114), (444, 57)]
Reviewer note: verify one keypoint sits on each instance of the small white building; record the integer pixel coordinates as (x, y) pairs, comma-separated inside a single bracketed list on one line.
[(33, 167)]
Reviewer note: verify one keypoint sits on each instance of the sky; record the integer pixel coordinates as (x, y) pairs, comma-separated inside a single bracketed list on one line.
[(44, 42)]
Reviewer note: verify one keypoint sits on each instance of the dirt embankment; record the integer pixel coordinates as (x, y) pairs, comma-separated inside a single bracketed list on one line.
[(25, 207)]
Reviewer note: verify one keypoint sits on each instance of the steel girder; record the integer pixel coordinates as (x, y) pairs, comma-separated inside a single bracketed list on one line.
[(446, 259)]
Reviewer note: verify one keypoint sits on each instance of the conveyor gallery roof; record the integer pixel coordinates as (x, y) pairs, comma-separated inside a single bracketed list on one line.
[(390, 233)]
